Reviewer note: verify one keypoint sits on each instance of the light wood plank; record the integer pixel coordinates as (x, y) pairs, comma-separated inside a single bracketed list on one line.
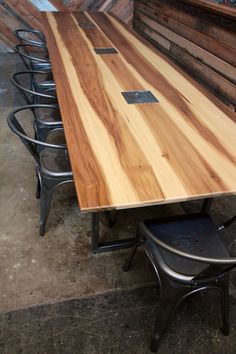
[(5, 44), (206, 57), (201, 29), (213, 46), (214, 79), (26, 10), (123, 155), (8, 20), (182, 16), (7, 33)]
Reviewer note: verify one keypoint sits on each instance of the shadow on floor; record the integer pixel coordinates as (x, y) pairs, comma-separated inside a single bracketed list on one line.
[(118, 322)]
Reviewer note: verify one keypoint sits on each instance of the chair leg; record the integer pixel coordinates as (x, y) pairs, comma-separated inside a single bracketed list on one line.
[(138, 242), (224, 295), (206, 205), (45, 202), (42, 133), (170, 299), (38, 188), (128, 262)]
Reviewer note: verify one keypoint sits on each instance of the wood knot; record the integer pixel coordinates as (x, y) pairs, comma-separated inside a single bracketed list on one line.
[(165, 155)]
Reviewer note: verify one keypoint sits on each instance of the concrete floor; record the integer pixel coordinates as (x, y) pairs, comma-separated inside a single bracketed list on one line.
[(60, 266), (118, 322)]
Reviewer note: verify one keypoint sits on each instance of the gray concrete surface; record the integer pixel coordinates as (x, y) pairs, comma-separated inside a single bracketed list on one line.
[(120, 322), (60, 266)]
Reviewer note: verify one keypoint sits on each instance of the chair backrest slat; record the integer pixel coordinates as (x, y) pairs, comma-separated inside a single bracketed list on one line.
[(47, 93), (30, 143), (31, 146), (25, 53), (25, 36)]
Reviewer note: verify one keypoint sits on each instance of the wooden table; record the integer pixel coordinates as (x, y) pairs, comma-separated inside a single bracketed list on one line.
[(124, 155)]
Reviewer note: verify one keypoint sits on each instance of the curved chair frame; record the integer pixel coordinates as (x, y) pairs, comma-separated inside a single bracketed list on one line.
[(23, 50), (42, 86), (176, 286), (38, 34), (32, 96), (48, 180), (209, 260)]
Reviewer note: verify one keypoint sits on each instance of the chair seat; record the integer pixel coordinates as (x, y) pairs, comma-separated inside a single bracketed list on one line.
[(193, 234), (55, 161), (37, 65), (45, 100), (48, 116), (44, 85)]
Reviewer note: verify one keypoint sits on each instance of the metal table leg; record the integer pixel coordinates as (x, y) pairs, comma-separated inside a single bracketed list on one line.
[(100, 247), (206, 206)]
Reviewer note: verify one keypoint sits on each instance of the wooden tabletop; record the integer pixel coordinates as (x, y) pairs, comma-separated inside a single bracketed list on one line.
[(127, 155)]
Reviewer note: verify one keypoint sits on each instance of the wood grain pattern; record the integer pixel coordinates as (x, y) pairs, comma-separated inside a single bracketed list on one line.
[(5, 45), (204, 21), (218, 8), (195, 50), (26, 10), (27, 13), (196, 41), (122, 155), (221, 84), (7, 32), (217, 47)]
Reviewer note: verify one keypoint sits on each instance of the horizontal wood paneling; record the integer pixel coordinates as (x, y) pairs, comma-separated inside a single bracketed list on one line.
[(196, 51), (215, 46), (5, 44), (227, 88), (185, 15), (210, 58), (214, 6), (27, 11), (6, 31)]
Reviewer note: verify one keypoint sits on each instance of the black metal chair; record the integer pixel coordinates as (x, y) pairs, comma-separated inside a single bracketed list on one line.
[(42, 91), (30, 36), (38, 61), (35, 85), (188, 256), (53, 165)]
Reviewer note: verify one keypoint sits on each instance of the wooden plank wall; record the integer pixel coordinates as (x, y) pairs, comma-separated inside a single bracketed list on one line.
[(198, 37), (27, 13)]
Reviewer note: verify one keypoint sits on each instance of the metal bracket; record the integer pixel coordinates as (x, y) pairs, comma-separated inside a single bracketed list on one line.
[(137, 97), (107, 50), (87, 25), (100, 247)]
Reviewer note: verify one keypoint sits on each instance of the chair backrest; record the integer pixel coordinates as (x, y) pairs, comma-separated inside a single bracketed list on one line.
[(40, 52), (15, 124), (33, 92), (30, 36), (214, 266)]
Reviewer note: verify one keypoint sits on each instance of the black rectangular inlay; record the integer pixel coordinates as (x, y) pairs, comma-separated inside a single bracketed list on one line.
[(105, 50), (86, 25), (135, 97)]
